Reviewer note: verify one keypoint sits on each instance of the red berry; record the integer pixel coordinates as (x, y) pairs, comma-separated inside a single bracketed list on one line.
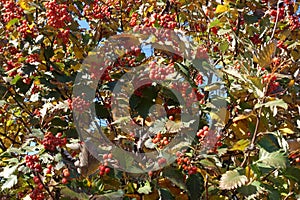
[(64, 181), (150, 173), (205, 128), (105, 156), (171, 117), (101, 173), (107, 170), (40, 186), (66, 173), (161, 161)]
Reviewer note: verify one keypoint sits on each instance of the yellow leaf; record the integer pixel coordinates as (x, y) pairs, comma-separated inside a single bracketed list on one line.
[(25, 4), (240, 145), (286, 131), (78, 52), (221, 9), (37, 82), (76, 67)]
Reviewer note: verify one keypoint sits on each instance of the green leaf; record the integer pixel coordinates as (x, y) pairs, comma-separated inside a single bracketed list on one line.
[(274, 159), (224, 46), (70, 194), (175, 176), (101, 111), (16, 79), (269, 142), (12, 22), (232, 179), (2, 102), (57, 121), (165, 194), (234, 73), (276, 103), (11, 181), (214, 23), (158, 126), (293, 173), (224, 31), (146, 189), (195, 186), (112, 195)]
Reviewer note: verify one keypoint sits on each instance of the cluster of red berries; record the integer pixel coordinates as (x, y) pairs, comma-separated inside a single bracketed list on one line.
[(133, 19), (185, 163), (57, 14), (103, 168), (66, 174), (11, 65), (25, 30), (95, 11), (161, 161), (50, 141), (159, 72), (273, 13), (32, 161), (79, 104), (190, 97), (294, 22), (271, 79), (96, 73), (214, 30), (172, 111), (255, 39), (37, 194), (201, 25), (63, 35), (199, 79), (32, 58), (129, 58), (164, 20), (11, 10), (201, 53), (209, 140), (281, 45), (160, 141), (35, 89)]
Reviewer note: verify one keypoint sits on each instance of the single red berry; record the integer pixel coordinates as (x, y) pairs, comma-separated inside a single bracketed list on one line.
[(150, 173), (107, 170), (64, 181), (171, 117), (105, 156)]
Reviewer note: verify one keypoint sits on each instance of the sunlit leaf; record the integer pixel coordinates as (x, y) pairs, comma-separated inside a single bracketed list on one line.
[(274, 159), (232, 179), (12, 22), (264, 56), (10, 182), (240, 145), (221, 9), (146, 189)]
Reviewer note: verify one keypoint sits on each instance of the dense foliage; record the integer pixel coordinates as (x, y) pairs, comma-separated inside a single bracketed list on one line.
[(251, 152)]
